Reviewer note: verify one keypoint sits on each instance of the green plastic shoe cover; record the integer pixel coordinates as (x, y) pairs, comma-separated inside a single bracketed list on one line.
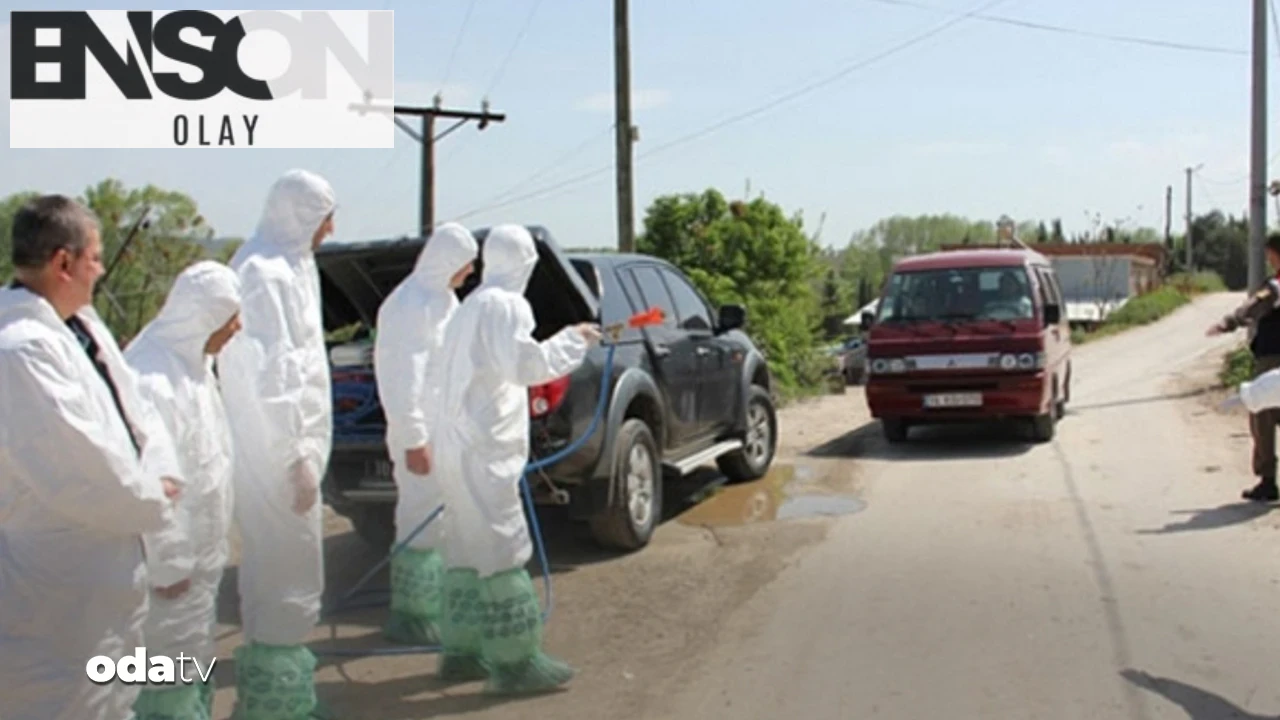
[(416, 577), (460, 627), (180, 702), (275, 682), (207, 690), (511, 642)]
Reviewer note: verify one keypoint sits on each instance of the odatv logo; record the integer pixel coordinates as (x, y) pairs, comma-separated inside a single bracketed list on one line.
[(140, 669), (201, 78)]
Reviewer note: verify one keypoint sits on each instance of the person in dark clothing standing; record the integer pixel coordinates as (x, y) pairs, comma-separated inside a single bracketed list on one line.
[(1261, 314)]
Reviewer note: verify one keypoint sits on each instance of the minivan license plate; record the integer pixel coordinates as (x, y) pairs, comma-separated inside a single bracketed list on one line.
[(953, 400)]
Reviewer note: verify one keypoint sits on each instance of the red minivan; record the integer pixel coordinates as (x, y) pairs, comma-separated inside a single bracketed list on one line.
[(969, 335)]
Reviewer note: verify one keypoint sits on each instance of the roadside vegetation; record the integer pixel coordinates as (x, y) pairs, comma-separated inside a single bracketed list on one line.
[(1177, 291), (1237, 367)]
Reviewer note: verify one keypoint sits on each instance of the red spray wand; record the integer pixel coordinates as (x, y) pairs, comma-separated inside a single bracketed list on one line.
[(644, 318)]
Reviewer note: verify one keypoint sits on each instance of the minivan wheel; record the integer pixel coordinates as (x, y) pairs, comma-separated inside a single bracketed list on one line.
[(635, 508), (1044, 426), (895, 429), (759, 443)]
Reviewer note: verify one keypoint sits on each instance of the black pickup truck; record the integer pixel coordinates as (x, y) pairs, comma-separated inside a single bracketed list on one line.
[(692, 391)]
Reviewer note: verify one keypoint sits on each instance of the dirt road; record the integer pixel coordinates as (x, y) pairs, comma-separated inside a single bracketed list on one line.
[(1109, 574)]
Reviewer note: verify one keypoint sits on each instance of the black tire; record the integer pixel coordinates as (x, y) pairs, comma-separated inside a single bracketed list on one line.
[(628, 522), (376, 525), (760, 442), (895, 429), (1044, 426)]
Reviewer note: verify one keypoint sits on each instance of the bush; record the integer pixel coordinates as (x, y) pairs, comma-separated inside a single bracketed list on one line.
[(1237, 367), (1146, 309), (1197, 283)]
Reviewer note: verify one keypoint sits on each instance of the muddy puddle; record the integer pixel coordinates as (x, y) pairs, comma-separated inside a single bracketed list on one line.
[(780, 495)]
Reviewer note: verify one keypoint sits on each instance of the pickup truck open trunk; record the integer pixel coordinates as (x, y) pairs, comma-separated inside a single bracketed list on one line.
[(355, 278)]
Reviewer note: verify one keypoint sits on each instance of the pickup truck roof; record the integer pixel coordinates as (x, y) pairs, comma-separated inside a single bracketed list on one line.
[(356, 277)]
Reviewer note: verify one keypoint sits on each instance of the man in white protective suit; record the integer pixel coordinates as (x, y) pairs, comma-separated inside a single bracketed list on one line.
[(411, 325), (173, 357), (275, 383), (492, 624), (86, 468)]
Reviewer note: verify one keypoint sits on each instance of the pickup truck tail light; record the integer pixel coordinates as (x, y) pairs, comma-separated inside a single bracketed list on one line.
[(545, 399)]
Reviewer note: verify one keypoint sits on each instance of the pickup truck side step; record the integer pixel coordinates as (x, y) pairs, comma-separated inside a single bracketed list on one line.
[(686, 465)]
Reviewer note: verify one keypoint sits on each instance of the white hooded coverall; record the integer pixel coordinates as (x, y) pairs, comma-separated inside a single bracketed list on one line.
[(76, 494), (480, 437), (176, 376), (410, 328), (276, 387)]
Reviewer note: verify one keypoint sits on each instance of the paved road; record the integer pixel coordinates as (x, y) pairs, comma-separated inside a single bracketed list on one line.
[(1110, 574)]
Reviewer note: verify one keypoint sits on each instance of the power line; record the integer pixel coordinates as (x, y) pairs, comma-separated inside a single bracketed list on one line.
[(715, 127), (560, 160), (502, 68), (1275, 25), (457, 42), (1112, 37)]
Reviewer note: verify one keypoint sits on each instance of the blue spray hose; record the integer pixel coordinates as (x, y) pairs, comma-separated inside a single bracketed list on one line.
[(344, 603)]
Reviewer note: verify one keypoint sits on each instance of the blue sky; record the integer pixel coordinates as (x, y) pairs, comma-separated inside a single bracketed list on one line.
[(981, 119)]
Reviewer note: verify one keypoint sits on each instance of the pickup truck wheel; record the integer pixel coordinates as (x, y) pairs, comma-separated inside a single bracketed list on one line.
[(636, 506), (760, 442), (376, 525)]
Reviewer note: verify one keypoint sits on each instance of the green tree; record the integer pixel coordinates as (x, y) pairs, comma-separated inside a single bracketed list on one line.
[(8, 208), (141, 275), (748, 253)]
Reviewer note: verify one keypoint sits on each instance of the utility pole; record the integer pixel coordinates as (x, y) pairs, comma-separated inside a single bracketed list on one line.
[(1190, 261), (1168, 217), (1258, 150), (427, 136), (624, 132)]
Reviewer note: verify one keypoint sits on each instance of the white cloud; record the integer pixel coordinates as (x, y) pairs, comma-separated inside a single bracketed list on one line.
[(640, 100)]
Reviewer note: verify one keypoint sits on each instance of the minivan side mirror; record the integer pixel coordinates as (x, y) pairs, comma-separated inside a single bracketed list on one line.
[(1052, 315), (732, 317), (868, 319)]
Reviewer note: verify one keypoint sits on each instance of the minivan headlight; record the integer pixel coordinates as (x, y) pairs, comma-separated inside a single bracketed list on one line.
[(1022, 361), (888, 366)]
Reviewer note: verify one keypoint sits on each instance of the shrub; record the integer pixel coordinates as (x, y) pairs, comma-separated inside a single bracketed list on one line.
[(1237, 367)]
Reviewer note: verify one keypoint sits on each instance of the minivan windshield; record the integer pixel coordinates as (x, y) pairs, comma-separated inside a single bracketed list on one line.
[(951, 294)]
